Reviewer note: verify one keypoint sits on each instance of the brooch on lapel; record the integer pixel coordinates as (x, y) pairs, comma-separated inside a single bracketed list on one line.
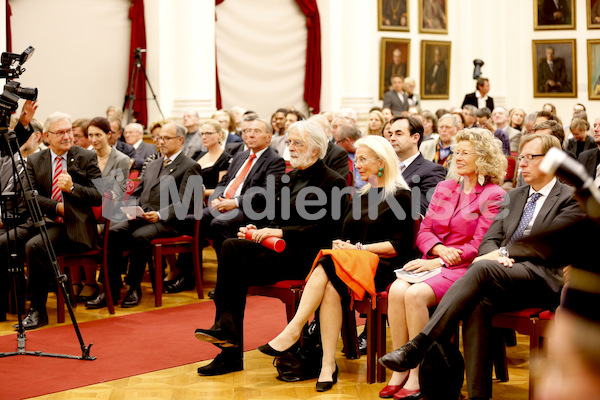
[(171, 170)]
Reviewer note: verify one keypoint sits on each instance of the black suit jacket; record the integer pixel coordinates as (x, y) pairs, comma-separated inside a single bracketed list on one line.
[(232, 148), (82, 165), (148, 191), (304, 238), (425, 175), (233, 138), (559, 210), (471, 99), (336, 158), (589, 159), (144, 150), (571, 145), (6, 173), (269, 163), (558, 74), (130, 152)]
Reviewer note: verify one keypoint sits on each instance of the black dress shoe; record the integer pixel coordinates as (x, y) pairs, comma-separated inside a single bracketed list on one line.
[(268, 350), (221, 365), (134, 295), (362, 342), (325, 386), (211, 294), (216, 337), (181, 285), (34, 319), (408, 356)]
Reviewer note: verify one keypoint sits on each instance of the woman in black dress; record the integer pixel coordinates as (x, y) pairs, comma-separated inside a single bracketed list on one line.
[(376, 239), (214, 161)]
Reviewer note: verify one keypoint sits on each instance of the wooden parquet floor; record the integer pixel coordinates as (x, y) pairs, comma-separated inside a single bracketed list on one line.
[(257, 380)]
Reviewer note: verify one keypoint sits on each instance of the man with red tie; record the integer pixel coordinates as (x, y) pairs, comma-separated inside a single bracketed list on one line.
[(62, 176), (248, 169)]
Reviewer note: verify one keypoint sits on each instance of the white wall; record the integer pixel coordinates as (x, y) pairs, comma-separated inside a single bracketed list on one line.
[(81, 54)]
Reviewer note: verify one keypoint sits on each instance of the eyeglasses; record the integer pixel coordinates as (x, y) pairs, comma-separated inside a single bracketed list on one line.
[(62, 133), (529, 158), (340, 141), (207, 133), (166, 138), (463, 153), (298, 144)]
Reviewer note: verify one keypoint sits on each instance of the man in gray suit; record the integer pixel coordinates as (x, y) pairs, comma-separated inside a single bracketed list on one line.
[(62, 175), (135, 235), (508, 274), (396, 99)]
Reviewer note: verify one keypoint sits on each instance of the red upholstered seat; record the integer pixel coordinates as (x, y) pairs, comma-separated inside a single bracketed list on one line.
[(176, 245), (288, 291), (291, 284), (511, 170)]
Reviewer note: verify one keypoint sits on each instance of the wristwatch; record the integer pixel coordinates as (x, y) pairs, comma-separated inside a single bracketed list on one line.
[(72, 189), (503, 252)]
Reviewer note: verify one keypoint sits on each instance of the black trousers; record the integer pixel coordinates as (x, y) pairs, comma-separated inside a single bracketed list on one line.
[(133, 236), (244, 263), (486, 288)]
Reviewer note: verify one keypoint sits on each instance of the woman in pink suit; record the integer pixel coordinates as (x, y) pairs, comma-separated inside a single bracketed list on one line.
[(459, 215)]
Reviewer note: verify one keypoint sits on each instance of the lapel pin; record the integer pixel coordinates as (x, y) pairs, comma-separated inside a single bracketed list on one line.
[(72, 159), (171, 170)]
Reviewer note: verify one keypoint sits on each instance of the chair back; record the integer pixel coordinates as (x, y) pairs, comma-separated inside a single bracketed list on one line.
[(511, 170)]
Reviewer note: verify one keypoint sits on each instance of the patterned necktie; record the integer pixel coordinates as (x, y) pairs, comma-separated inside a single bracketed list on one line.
[(525, 218), (56, 192), (401, 164), (240, 178), (166, 161), (11, 181)]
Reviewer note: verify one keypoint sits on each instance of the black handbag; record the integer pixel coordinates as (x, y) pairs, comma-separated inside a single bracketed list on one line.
[(442, 372), (305, 361)]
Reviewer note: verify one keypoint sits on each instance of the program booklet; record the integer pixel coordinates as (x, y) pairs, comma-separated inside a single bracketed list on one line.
[(415, 277)]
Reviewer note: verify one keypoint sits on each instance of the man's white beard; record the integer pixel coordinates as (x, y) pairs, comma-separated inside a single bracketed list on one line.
[(301, 160)]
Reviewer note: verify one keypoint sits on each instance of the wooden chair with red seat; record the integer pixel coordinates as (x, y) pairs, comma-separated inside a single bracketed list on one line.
[(525, 322), (288, 291), (177, 245), (375, 326), (92, 257), (512, 170)]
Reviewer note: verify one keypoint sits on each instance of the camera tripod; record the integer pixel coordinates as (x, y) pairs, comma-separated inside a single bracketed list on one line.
[(132, 88), (9, 145)]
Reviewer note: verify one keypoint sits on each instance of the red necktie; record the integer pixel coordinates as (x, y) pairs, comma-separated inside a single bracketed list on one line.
[(56, 192), (240, 178)]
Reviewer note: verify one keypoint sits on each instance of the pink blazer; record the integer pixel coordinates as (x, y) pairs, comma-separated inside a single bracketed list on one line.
[(459, 221)]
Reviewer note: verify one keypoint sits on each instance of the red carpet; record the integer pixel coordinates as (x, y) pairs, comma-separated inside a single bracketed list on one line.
[(126, 346)]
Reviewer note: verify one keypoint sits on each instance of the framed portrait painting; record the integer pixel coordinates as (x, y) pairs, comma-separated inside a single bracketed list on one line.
[(593, 56), (394, 60), (433, 16), (435, 69), (554, 68), (593, 14), (392, 15), (553, 14)]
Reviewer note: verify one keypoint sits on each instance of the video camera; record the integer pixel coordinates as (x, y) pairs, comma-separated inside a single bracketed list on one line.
[(11, 67)]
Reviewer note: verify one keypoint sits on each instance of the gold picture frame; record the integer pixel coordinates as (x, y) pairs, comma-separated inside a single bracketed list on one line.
[(391, 63), (593, 14), (435, 69), (593, 58), (548, 16), (559, 77), (393, 15), (433, 16)]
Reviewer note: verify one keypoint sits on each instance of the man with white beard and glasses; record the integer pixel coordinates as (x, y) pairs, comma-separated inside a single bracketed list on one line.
[(308, 226)]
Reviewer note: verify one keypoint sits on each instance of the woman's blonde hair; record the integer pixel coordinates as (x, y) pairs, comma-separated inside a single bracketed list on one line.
[(491, 162), (218, 127), (381, 118), (383, 150)]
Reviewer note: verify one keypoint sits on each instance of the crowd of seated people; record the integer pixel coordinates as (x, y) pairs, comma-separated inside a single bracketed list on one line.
[(441, 166)]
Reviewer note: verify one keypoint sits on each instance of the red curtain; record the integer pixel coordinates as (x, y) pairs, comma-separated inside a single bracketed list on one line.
[(312, 79), (218, 88), (8, 30), (138, 39)]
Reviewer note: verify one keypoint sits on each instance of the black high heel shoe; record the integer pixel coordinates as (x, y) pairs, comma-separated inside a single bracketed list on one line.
[(268, 350), (325, 386)]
